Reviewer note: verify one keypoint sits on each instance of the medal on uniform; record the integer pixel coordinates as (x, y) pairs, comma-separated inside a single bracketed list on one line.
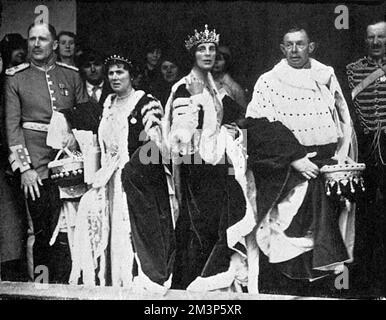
[(133, 121), (63, 89)]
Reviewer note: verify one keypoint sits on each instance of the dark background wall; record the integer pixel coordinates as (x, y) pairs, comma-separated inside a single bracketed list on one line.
[(252, 29), (19, 14)]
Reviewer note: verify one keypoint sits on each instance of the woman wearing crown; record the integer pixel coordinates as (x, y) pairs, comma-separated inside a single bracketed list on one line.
[(195, 136), (106, 237)]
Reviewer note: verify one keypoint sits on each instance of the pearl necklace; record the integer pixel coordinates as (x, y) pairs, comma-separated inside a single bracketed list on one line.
[(125, 96)]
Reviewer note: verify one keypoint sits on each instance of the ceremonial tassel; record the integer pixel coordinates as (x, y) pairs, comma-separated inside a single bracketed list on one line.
[(352, 189), (362, 184), (338, 191), (328, 191)]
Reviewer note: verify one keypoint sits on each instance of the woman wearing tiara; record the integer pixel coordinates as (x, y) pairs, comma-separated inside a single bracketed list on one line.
[(103, 240), (195, 136)]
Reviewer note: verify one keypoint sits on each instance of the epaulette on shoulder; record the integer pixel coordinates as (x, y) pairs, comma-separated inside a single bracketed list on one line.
[(12, 71), (67, 66), (360, 63)]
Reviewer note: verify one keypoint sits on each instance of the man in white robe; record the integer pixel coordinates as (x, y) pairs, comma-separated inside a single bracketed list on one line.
[(305, 96)]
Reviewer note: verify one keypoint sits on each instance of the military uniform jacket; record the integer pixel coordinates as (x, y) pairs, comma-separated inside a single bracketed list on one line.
[(370, 109), (31, 95)]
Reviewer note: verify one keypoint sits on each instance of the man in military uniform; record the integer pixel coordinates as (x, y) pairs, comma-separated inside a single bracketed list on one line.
[(367, 82), (34, 92)]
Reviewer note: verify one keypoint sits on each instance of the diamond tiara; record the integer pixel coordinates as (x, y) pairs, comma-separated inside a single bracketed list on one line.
[(202, 37), (117, 58)]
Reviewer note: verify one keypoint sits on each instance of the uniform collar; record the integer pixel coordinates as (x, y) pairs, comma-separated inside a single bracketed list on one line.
[(371, 61), (46, 67)]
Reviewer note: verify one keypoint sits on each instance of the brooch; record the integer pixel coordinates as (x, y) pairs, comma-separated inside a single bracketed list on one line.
[(133, 120)]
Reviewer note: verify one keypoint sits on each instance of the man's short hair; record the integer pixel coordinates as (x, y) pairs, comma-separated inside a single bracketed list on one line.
[(297, 28), (67, 33), (370, 22), (50, 27), (374, 22), (90, 56)]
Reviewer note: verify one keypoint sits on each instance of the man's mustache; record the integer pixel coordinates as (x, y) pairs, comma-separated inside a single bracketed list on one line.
[(376, 46)]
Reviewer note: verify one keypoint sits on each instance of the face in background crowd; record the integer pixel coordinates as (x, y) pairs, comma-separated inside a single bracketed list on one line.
[(66, 46), (41, 44), (93, 71), (205, 56), (219, 65), (169, 71), (376, 40), (18, 56), (119, 78), (13, 48), (153, 57), (297, 47)]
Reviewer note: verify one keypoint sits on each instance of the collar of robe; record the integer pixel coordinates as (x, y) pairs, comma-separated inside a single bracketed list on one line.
[(311, 78)]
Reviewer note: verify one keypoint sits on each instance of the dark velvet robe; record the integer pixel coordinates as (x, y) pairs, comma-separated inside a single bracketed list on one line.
[(147, 194), (271, 148), (209, 194)]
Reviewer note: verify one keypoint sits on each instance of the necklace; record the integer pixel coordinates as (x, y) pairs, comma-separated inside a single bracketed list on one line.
[(122, 101), (125, 96), (124, 104)]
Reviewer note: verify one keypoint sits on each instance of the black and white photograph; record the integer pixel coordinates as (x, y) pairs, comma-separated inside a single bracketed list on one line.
[(197, 151)]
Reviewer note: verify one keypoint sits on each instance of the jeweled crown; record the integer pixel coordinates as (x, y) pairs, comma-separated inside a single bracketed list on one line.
[(202, 37), (117, 58)]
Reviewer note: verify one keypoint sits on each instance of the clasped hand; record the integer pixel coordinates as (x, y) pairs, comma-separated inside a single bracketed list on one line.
[(306, 167), (194, 85)]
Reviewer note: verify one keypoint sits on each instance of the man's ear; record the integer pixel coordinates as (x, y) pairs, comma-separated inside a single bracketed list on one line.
[(282, 48), (311, 47), (55, 44)]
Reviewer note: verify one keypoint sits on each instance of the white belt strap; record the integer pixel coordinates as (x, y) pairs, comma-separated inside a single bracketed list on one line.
[(367, 81), (35, 126)]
